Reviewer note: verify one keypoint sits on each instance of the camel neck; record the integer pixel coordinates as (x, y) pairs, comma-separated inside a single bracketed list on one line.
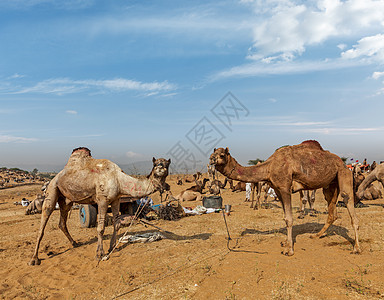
[(136, 187), (253, 174)]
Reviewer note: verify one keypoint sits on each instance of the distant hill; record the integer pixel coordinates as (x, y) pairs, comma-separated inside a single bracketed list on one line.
[(136, 168)]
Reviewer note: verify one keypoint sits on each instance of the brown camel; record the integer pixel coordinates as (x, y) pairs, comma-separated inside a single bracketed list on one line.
[(376, 174), (292, 168), (214, 186), (239, 187), (199, 187), (304, 199), (87, 180), (258, 188), (192, 178), (211, 172), (189, 196)]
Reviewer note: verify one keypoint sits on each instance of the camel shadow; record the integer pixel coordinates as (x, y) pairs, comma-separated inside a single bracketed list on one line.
[(376, 204), (300, 229)]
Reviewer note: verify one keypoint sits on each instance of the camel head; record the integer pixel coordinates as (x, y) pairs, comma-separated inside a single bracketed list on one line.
[(219, 157), (160, 167)]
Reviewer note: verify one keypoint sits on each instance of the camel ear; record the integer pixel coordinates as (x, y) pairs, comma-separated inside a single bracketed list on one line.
[(214, 150), (169, 162), (226, 150), (153, 159)]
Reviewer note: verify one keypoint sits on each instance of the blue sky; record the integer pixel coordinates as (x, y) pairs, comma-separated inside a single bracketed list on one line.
[(131, 79)]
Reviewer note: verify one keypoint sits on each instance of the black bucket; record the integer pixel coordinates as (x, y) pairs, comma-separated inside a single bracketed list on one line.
[(213, 202)]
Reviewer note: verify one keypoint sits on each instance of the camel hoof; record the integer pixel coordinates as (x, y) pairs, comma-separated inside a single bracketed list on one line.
[(314, 236), (287, 252), (34, 262), (356, 251), (99, 255)]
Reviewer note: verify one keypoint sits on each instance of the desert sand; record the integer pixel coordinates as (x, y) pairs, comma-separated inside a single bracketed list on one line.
[(194, 262)]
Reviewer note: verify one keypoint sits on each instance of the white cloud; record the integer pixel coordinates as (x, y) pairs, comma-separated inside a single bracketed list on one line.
[(370, 46), (286, 67), (377, 75), (293, 25), (343, 131), (71, 112), (15, 139), (61, 86), (132, 154), (16, 76)]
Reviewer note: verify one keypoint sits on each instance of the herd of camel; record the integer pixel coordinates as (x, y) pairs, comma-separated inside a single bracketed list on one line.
[(289, 169)]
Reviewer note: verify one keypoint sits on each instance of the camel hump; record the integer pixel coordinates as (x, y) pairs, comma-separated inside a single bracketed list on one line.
[(313, 144), (85, 150)]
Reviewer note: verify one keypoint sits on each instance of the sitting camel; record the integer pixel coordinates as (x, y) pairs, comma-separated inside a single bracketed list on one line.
[(214, 186), (364, 189), (192, 178), (187, 195), (239, 187), (199, 187), (211, 172), (87, 180), (293, 168), (194, 192)]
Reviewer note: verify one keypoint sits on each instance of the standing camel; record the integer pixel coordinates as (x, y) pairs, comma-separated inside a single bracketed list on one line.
[(293, 168), (304, 198), (87, 180)]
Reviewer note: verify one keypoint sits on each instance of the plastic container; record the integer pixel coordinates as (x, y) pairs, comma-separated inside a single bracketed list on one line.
[(213, 202)]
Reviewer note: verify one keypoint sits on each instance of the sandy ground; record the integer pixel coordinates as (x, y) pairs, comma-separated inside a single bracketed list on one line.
[(195, 262)]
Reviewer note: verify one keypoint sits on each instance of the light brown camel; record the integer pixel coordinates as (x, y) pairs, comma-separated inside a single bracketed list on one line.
[(214, 186), (239, 187), (189, 196), (199, 187), (211, 172), (258, 188), (376, 174), (192, 178), (87, 180), (304, 199), (292, 168)]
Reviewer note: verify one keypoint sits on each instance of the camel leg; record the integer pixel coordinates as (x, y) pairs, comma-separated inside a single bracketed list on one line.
[(303, 202), (346, 189), (257, 187), (287, 207), (64, 210), (115, 205), (253, 197), (330, 194), (101, 215), (311, 202), (49, 204)]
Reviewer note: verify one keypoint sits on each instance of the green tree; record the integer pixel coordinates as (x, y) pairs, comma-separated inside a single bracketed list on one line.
[(34, 172), (255, 161), (344, 159)]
